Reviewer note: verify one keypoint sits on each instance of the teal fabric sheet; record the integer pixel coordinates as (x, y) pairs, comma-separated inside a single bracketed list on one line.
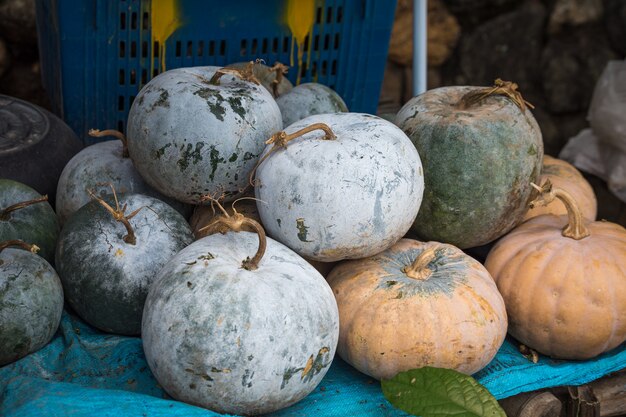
[(86, 373)]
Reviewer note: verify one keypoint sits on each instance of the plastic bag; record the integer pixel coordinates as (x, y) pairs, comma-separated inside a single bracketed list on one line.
[(607, 112), (601, 150), (586, 152)]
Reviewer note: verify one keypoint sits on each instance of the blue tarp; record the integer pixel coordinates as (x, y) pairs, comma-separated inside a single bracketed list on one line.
[(86, 373)]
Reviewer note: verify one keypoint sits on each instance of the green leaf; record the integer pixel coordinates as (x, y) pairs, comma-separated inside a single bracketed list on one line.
[(437, 392)]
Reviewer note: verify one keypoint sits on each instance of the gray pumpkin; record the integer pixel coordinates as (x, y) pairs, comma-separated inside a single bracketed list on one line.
[(479, 161), (94, 168), (238, 341), (31, 303), (346, 198), (105, 278), (308, 99), (36, 223), (189, 137)]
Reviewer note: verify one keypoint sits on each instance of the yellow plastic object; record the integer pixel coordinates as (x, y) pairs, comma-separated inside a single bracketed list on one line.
[(165, 20), (300, 19)]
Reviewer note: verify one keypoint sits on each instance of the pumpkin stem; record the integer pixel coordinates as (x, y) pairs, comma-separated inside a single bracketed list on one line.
[(246, 74), (97, 133), (237, 222), (575, 227), (18, 243), (280, 140), (419, 268), (5, 213), (119, 214), (500, 88), (280, 70)]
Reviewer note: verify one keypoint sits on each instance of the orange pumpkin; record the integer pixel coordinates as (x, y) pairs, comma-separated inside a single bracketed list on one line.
[(417, 304), (564, 287), (565, 176)]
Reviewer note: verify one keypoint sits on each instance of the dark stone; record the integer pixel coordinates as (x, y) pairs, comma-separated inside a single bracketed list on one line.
[(17, 21), (5, 58), (615, 23), (610, 207), (471, 13), (571, 63), (23, 80), (507, 47), (570, 124), (553, 140)]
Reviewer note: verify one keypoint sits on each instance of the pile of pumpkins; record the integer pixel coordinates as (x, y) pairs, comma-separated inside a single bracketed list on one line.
[(303, 239)]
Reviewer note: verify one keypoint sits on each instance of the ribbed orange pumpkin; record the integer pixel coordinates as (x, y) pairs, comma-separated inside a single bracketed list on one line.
[(564, 287), (417, 304), (565, 176)]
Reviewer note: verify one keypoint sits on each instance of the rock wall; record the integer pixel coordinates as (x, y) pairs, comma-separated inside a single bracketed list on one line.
[(554, 49), (20, 74)]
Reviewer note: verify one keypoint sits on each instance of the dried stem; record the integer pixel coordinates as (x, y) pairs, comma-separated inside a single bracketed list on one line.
[(119, 214), (5, 213), (500, 88), (419, 268), (20, 244), (575, 228), (96, 133), (238, 222), (246, 74), (280, 140), (280, 70)]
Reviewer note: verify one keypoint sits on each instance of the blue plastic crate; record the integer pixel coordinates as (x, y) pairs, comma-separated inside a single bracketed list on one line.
[(97, 54)]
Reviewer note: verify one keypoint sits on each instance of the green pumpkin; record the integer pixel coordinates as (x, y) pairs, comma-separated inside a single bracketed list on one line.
[(36, 223), (479, 159), (31, 301), (106, 273)]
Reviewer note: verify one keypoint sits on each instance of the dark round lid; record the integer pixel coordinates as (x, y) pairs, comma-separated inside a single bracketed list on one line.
[(35, 145), (21, 125)]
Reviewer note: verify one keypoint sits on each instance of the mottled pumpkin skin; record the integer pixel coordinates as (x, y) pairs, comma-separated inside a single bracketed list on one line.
[(94, 168), (390, 322), (565, 298), (106, 279), (565, 176), (31, 303), (478, 163), (238, 341), (345, 198), (36, 224), (188, 137), (308, 99)]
